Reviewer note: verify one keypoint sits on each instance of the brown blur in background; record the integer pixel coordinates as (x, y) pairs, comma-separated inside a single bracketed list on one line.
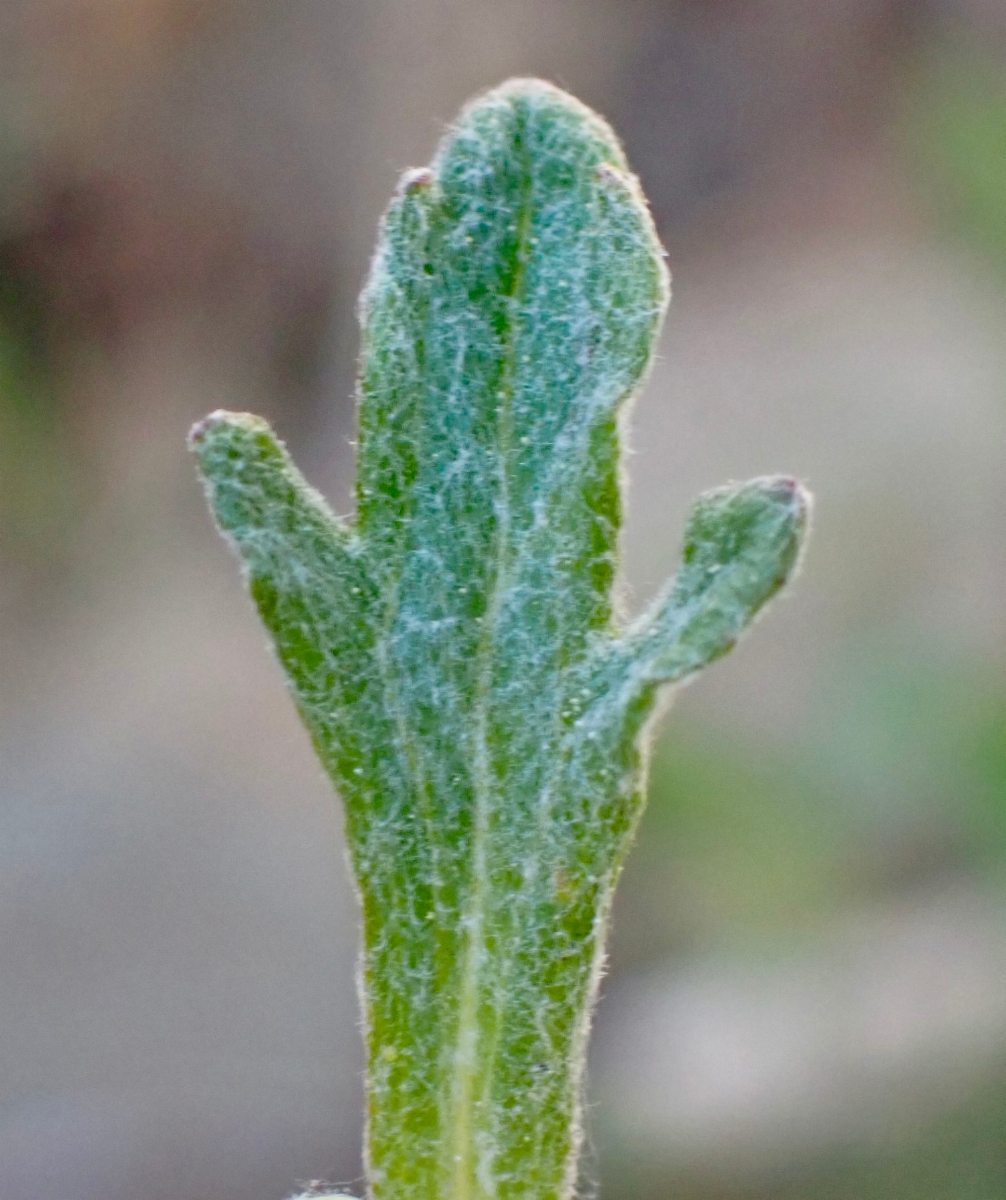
[(807, 988)]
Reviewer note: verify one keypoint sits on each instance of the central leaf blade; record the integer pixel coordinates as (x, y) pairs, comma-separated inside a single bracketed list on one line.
[(511, 312)]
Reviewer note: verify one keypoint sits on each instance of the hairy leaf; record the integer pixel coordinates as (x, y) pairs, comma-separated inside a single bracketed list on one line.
[(454, 651)]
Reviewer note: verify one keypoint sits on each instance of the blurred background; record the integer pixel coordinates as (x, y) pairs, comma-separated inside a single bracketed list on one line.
[(807, 988)]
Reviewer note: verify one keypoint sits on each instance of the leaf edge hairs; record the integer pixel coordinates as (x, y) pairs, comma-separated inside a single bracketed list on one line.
[(456, 652)]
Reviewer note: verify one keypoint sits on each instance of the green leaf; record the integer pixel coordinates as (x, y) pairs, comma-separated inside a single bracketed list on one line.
[(455, 653)]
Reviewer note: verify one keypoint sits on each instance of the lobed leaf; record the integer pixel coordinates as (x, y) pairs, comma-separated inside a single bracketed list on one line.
[(455, 652)]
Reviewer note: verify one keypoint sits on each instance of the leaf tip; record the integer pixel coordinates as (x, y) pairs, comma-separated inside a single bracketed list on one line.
[(222, 426), (416, 180), (789, 495), (757, 528)]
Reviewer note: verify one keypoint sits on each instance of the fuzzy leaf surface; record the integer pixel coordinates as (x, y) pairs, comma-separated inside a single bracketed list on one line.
[(455, 653)]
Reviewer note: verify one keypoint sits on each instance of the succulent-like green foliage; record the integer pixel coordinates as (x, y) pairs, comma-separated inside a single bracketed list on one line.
[(455, 651)]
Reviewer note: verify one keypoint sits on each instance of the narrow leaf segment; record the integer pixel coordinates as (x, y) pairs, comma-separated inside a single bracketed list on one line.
[(454, 651)]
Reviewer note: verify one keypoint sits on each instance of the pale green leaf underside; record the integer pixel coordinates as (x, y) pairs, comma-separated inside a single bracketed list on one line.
[(455, 653)]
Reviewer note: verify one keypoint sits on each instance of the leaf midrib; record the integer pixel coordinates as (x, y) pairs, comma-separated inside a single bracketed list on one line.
[(466, 1058)]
